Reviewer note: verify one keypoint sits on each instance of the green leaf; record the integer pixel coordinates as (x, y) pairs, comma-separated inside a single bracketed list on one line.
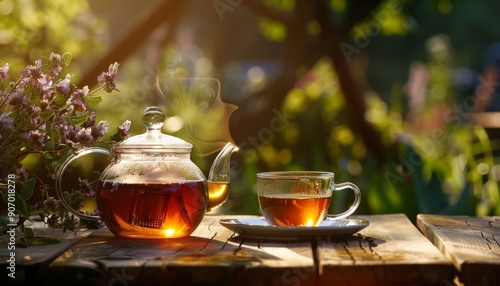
[(28, 236), (93, 100), (28, 189), (53, 134), (21, 207), (79, 120), (46, 114), (28, 233), (24, 242), (59, 100), (4, 221), (9, 157), (5, 197)]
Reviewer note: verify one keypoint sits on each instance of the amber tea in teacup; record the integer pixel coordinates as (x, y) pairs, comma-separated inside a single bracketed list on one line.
[(299, 198), (294, 210)]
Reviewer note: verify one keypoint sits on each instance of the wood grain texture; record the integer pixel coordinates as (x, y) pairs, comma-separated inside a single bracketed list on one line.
[(390, 251), (471, 243), (212, 255), (33, 261)]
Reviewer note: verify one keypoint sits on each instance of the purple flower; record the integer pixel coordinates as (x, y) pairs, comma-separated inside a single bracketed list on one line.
[(62, 87), (44, 104), (107, 79), (33, 75), (84, 136), (33, 71), (77, 99), (100, 129), (59, 121), (67, 132), (121, 131), (4, 72), (18, 100), (90, 121), (22, 174), (48, 93), (71, 144), (36, 137), (87, 189), (56, 66), (52, 204), (6, 123), (44, 112), (34, 115)]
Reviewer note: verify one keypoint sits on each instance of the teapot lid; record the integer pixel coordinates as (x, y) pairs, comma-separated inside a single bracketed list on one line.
[(153, 140)]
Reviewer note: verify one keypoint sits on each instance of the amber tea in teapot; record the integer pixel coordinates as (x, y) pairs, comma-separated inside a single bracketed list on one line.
[(170, 210)]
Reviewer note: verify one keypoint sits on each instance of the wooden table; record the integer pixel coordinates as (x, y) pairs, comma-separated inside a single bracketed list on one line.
[(471, 243), (391, 251), (31, 264)]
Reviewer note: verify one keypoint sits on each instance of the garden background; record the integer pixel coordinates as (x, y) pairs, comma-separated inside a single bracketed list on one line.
[(397, 96)]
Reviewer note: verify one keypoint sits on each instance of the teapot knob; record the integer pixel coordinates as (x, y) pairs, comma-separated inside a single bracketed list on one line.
[(153, 118)]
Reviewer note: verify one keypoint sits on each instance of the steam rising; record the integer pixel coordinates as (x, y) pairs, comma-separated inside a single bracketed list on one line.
[(195, 111)]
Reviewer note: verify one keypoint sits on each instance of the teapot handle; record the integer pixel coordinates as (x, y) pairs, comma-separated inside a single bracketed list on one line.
[(59, 188)]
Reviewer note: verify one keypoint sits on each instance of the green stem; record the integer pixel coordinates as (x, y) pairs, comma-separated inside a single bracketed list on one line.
[(20, 222), (10, 135), (10, 93), (94, 91)]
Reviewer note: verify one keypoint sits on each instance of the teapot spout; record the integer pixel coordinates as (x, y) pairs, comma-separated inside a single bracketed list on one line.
[(220, 170), (219, 177)]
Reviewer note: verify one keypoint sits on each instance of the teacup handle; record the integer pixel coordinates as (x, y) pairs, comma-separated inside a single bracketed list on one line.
[(59, 189), (355, 204)]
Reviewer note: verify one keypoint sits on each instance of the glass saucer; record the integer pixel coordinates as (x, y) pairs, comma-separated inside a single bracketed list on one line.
[(258, 228)]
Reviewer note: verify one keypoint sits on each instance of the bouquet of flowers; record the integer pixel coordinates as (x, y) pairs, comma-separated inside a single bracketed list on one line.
[(44, 113)]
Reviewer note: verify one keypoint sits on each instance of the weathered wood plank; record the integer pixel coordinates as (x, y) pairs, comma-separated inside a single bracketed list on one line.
[(471, 243), (31, 262), (391, 251), (212, 255)]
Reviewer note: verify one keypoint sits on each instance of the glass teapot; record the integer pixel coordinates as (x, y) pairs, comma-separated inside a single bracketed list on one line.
[(151, 188)]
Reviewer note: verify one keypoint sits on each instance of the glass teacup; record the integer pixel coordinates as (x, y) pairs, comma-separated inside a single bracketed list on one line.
[(300, 198)]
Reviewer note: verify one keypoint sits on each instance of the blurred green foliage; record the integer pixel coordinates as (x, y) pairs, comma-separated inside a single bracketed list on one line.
[(31, 29), (438, 162)]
